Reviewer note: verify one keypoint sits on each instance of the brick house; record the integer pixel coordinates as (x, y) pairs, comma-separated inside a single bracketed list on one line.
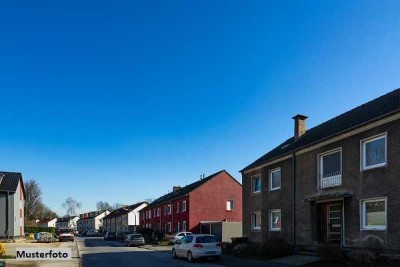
[(12, 203), (217, 197), (91, 221), (334, 183), (125, 219)]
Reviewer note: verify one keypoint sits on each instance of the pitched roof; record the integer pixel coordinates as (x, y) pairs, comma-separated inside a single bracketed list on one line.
[(9, 181), (66, 219), (124, 210), (371, 111), (95, 214), (46, 220), (184, 190)]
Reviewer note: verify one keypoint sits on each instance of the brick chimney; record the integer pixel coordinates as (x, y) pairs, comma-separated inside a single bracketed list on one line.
[(299, 125), (175, 188)]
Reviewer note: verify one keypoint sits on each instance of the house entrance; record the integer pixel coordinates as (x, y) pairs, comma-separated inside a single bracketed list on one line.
[(330, 222)]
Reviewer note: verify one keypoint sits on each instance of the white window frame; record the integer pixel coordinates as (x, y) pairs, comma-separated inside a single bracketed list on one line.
[(364, 227), (321, 167), (253, 178), (169, 227), (270, 179), (184, 205), (149, 214), (184, 226), (255, 228), (177, 207), (272, 229), (230, 206), (169, 209), (362, 151), (158, 212)]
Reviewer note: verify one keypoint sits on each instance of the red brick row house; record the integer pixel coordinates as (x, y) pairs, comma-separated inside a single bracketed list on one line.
[(217, 197)]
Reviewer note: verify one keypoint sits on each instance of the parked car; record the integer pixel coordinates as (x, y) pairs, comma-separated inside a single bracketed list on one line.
[(178, 236), (110, 236), (66, 234), (197, 246), (134, 240)]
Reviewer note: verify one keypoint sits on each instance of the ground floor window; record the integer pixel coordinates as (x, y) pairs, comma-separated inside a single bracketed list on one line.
[(169, 230), (275, 220), (184, 226), (373, 214), (256, 220)]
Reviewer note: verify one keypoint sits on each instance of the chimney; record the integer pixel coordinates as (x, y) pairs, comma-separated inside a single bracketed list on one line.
[(175, 188), (299, 125)]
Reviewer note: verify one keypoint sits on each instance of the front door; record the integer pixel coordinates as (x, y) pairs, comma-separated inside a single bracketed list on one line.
[(331, 223)]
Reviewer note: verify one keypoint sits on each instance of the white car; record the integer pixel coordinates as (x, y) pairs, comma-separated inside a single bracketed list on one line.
[(179, 236), (197, 246)]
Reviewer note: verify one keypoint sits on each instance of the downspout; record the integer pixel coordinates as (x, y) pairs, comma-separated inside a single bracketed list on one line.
[(294, 201), (7, 213)]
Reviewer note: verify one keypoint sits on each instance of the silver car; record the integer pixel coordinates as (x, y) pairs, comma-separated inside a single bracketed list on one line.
[(134, 240), (197, 246)]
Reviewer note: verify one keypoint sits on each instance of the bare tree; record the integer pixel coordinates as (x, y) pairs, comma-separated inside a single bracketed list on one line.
[(103, 205), (71, 205), (46, 212), (33, 200), (117, 206)]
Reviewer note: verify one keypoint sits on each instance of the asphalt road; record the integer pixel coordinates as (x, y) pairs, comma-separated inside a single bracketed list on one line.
[(95, 252)]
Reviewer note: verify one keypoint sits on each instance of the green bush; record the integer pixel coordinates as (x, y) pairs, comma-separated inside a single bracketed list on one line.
[(362, 257), (35, 229), (226, 247), (276, 247)]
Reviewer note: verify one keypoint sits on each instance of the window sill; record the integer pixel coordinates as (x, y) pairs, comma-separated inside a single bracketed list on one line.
[(256, 193), (383, 165), (373, 229), (274, 230), (229, 210), (256, 230), (274, 189), (330, 186)]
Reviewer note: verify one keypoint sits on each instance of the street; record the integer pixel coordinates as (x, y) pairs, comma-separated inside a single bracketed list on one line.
[(94, 251)]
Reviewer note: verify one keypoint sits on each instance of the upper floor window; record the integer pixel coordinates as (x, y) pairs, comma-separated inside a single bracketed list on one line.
[(158, 212), (275, 179), (177, 207), (373, 214), (229, 205), (169, 209), (256, 220), (256, 184), (373, 152), (184, 205), (275, 220), (330, 171)]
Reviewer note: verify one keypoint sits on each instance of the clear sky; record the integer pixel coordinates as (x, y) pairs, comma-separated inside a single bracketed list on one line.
[(120, 100)]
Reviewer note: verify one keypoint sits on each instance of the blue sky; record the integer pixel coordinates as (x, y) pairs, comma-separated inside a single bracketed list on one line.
[(120, 100)]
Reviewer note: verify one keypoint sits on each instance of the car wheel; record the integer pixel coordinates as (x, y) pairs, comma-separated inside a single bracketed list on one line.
[(190, 257), (174, 253)]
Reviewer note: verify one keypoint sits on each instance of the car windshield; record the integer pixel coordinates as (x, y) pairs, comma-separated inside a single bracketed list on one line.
[(206, 239), (136, 236), (63, 231)]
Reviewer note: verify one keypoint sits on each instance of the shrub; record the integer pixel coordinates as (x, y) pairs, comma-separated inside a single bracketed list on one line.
[(362, 257), (226, 247), (276, 247), (241, 249), (35, 229), (329, 252), (2, 250), (239, 240)]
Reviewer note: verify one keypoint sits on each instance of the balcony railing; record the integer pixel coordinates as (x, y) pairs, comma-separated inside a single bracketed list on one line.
[(331, 179)]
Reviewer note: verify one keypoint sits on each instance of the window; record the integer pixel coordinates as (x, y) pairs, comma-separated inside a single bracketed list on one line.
[(330, 168), (184, 205), (373, 152), (169, 227), (178, 227), (256, 220), (169, 209), (373, 214), (177, 207), (154, 213), (184, 226), (275, 220), (158, 212), (229, 205), (165, 210), (275, 179), (256, 184), (149, 214)]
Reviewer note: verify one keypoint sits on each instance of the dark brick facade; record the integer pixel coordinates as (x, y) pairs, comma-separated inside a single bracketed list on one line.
[(356, 185)]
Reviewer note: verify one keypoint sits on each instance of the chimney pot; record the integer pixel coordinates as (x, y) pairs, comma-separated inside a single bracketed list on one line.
[(299, 125), (175, 188)]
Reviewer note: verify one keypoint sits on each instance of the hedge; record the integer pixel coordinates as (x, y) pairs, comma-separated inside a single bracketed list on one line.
[(36, 229)]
